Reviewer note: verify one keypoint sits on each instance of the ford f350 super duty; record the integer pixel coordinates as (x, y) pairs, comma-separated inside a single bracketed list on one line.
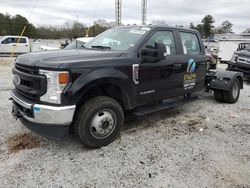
[(142, 69)]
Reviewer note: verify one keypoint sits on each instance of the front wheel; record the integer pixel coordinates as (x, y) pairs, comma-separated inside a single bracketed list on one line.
[(99, 121)]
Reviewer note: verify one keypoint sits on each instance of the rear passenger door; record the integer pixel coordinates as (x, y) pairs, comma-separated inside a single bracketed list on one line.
[(194, 60), (23, 46)]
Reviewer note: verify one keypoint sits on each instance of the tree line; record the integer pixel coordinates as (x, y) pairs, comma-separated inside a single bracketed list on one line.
[(13, 25), (207, 29)]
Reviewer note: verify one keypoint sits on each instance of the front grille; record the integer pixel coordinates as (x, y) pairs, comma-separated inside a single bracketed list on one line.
[(31, 85), (28, 70), (26, 83)]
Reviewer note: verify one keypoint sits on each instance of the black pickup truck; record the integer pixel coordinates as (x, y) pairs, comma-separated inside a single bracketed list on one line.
[(241, 60), (142, 69)]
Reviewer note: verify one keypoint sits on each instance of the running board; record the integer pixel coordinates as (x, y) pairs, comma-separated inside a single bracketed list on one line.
[(166, 104)]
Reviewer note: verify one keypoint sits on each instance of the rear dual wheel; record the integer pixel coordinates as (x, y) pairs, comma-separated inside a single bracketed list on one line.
[(230, 96)]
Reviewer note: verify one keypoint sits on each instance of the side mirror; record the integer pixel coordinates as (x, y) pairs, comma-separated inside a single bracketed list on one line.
[(153, 54)]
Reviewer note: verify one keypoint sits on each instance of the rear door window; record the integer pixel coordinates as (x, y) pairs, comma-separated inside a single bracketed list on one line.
[(23, 40), (190, 43)]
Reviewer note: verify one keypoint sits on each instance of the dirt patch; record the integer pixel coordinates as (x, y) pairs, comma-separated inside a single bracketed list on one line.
[(20, 142), (195, 125)]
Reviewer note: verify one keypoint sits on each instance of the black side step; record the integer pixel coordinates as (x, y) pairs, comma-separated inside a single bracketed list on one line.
[(166, 104)]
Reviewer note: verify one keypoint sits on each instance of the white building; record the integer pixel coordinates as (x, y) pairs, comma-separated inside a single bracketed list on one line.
[(231, 36)]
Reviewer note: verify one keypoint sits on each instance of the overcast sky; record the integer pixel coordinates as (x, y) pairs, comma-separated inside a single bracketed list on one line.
[(173, 12)]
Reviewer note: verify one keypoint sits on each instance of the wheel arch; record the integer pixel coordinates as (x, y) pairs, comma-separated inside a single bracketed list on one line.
[(110, 87)]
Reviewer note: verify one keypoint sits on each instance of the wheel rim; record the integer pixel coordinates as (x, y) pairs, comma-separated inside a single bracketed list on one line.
[(235, 90), (103, 124)]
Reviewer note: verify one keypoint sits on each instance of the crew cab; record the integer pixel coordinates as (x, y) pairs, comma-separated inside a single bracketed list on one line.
[(142, 69), (18, 43)]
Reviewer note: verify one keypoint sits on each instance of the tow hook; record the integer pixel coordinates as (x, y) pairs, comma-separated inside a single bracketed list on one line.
[(16, 114)]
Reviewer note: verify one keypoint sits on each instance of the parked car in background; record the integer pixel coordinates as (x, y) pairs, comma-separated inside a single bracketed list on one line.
[(241, 61), (45, 48), (9, 43), (243, 46), (228, 47), (78, 43), (212, 58)]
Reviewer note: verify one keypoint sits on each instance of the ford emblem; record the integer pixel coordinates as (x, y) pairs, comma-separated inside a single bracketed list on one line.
[(16, 80)]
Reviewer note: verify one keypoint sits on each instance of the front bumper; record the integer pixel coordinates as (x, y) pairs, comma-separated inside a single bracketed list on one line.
[(42, 117)]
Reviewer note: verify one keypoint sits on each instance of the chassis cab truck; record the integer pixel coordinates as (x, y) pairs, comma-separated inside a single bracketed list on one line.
[(142, 69)]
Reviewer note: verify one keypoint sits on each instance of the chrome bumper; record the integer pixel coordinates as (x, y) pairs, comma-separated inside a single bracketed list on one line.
[(45, 114)]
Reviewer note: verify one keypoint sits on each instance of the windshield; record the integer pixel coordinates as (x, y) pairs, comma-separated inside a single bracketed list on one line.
[(76, 44), (117, 38)]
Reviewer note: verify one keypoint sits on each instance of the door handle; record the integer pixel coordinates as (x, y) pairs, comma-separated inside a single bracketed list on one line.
[(176, 65), (203, 63), (13, 45), (26, 45)]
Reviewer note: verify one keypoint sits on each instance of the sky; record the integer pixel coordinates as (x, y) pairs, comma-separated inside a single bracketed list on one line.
[(172, 12)]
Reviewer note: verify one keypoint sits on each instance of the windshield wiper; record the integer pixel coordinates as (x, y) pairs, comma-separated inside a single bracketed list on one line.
[(102, 47)]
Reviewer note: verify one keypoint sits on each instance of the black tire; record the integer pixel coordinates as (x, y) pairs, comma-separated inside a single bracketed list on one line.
[(218, 95), (230, 96), (93, 111), (213, 66)]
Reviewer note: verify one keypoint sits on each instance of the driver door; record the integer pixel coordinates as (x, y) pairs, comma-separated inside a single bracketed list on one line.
[(162, 79)]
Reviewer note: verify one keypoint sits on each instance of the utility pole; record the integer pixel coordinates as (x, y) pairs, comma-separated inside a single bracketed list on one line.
[(143, 12), (118, 12)]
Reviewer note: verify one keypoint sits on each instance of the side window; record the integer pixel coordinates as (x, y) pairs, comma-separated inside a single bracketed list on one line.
[(8, 40), (165, 37), (22, 40), (4, 41), (190, 43)]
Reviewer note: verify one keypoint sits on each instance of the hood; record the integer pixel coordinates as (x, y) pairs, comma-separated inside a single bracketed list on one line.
[(65, 58)]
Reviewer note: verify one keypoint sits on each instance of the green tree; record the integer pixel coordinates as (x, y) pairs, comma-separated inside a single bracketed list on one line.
[(208, 21), (5, 24), (225, 27), (246, 30), (96, 30), (191, 26), (200, 28)]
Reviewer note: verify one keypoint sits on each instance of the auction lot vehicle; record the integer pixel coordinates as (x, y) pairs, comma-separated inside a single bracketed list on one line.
[(212, 58), (241, 61), (142, 69), (228, 47), (9, 43), (76, 44)]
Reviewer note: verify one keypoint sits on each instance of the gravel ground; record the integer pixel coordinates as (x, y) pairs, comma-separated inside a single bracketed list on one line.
[(201, 144)]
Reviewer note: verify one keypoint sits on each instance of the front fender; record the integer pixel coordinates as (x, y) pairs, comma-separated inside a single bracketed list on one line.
[(98, 77)]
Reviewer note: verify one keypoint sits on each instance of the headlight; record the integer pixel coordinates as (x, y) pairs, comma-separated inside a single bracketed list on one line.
[(234, 58), (56, 82)]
